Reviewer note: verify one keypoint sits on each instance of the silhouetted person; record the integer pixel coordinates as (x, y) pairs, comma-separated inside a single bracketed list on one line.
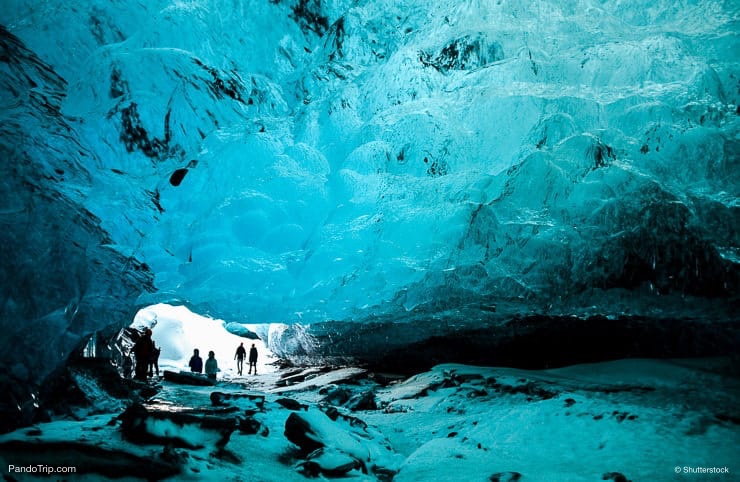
[(196, 362), (211, 365), (252, 360), (128, 365), (154, 360), (143, 349), (241, 354)]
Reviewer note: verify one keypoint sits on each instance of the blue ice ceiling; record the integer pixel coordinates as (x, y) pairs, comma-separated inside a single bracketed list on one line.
[(282, 160)]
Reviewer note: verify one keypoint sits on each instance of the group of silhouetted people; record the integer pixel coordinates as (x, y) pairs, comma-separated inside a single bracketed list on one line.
[(211, 366), (196, 364), (241, 353), (146, 354)]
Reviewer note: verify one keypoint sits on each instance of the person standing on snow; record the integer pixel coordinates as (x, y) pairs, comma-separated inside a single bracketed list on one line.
[(211, 365), (196, 362), (143, 350), (241, 354), (252, 360), (154, 360)]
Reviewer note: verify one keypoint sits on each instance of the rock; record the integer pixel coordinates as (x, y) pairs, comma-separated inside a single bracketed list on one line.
[(227, 456), (458, 377), (83, 384), (334, 415), (188, 378), (283, 364), (615, 476), (505, 477), (331, 463), (336, 395), (318, 378), (291, 404), (297, 376), (251, 426), (298, 430), (729, 418), (473, 392), (569, 402), (385, 379), (526, 388), (89, 459), (621, 416), (363, 401), (18, 405), (247, 401), (180, 429), (147, 391), (343, 439), (173, 456)]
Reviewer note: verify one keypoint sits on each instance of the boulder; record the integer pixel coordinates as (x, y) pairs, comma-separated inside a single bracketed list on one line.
[(191, 429), (331, 463), (335, 395), (291, 404), (251, 426), (615, 477), (251, 402), (343, 441), (299, 431), (505, 477), (88, 459), (363, 401), (188, 378)]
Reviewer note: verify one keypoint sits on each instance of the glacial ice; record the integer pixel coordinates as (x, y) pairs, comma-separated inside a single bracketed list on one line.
[(303, 161)]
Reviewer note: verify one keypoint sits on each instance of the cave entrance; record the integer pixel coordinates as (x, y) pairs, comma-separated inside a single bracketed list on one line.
[(177, 331)]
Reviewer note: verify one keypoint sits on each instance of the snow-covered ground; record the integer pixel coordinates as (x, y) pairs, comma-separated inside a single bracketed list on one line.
[(645, 419)]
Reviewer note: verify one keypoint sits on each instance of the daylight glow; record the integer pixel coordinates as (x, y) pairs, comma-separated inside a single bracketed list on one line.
[(177, 330)]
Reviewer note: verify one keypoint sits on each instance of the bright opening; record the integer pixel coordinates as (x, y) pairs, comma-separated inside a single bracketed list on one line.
[(177, 331)]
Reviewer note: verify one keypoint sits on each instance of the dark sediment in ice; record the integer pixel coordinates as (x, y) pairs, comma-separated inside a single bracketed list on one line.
[(531, 342)]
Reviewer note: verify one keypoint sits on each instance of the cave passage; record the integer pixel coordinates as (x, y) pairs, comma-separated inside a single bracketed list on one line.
[(177, 331)]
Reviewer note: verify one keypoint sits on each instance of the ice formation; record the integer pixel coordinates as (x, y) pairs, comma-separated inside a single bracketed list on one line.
[(297, 161)]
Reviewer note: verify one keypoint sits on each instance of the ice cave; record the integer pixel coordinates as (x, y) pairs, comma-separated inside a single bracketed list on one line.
[(464, 240)]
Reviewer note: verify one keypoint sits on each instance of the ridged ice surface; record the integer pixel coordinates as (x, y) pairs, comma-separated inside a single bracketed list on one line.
[(303, 160)]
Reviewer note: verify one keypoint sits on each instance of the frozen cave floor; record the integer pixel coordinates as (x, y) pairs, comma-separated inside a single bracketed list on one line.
[(631, 419)]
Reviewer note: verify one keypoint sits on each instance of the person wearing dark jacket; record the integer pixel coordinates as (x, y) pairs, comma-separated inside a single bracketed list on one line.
[(196, 362), (241, 353), (154, 360), (252, 360), (143, 350), (128, 365), (211, 365)]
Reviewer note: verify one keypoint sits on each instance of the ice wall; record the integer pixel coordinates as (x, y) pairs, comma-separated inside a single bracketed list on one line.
[(61, 276), (304, 160)]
